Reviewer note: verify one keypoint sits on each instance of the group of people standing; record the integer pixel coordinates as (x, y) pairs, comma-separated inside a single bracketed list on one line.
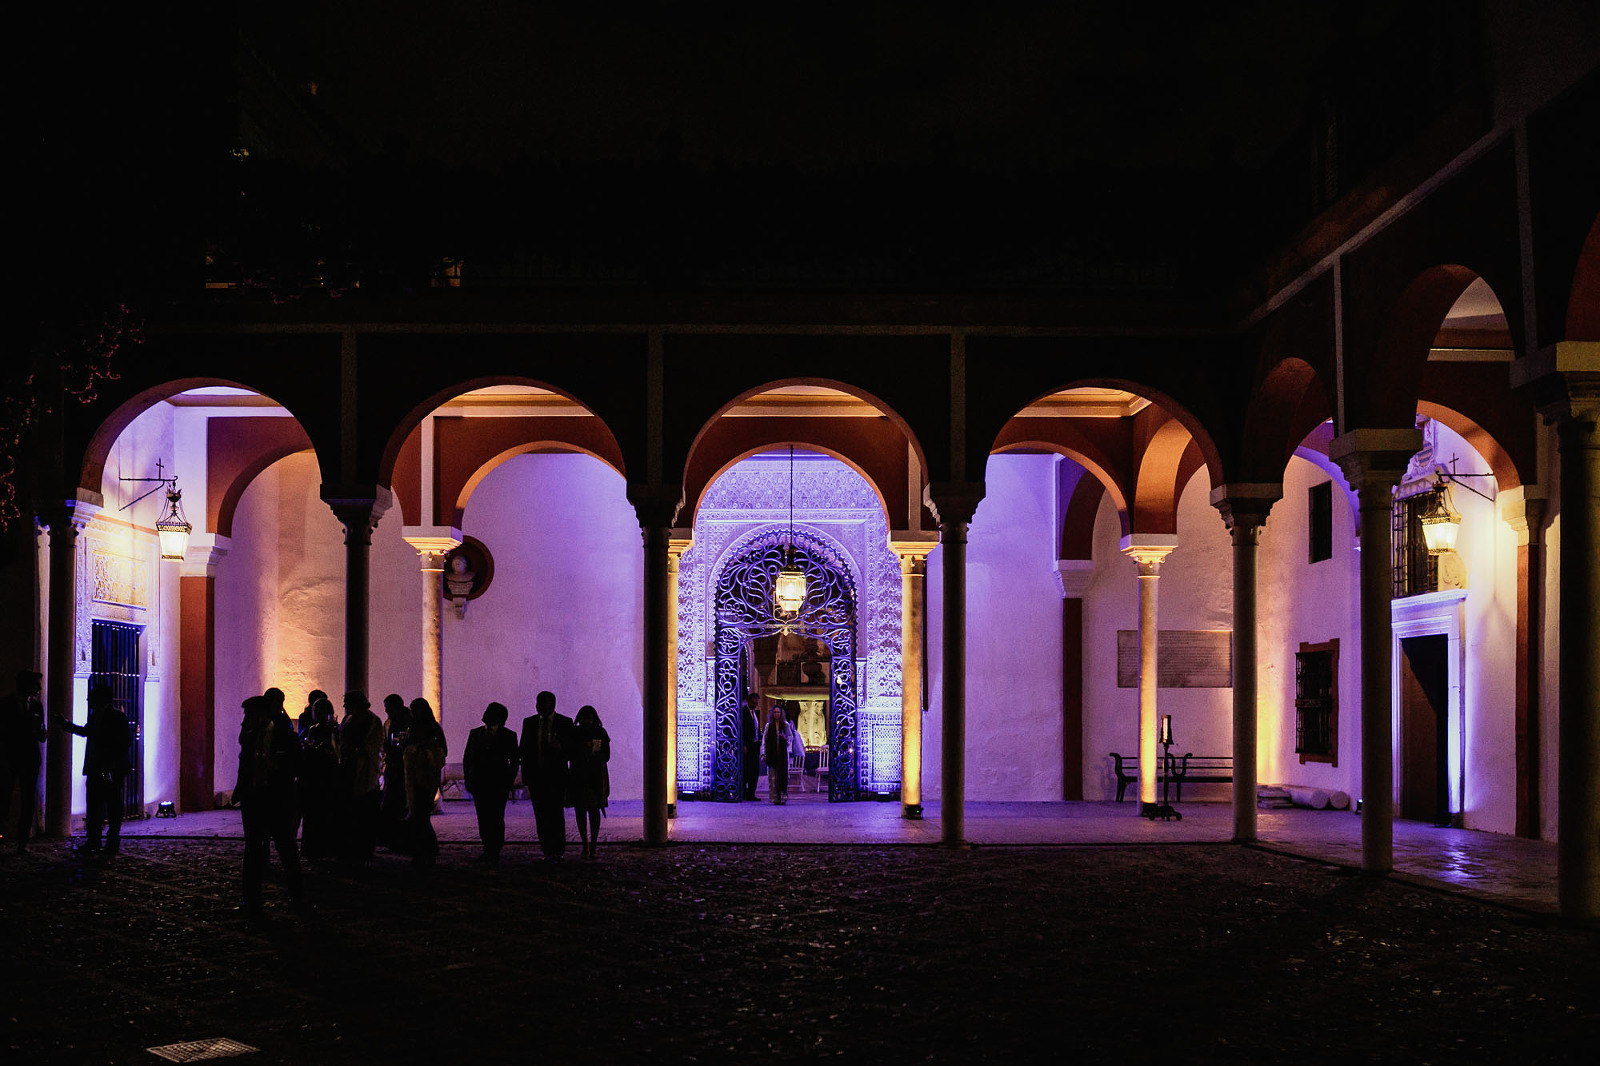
[(563, 763), (314, 770), (339, 788)]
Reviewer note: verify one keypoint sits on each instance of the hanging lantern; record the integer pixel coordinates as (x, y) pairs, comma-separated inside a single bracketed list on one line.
[(1439, 523), (172, 529), (790, 589)]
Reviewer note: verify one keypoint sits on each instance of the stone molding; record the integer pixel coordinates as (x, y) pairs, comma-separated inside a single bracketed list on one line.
[(205, 552)]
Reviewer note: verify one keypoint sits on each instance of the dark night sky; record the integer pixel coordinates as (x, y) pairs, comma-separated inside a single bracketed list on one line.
[(1042, 87), (628, 132)]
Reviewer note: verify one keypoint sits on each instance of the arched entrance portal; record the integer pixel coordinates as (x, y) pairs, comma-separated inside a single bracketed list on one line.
[(746, 612)]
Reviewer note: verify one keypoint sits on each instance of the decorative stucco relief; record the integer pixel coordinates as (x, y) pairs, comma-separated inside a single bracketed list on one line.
[(831, 501)]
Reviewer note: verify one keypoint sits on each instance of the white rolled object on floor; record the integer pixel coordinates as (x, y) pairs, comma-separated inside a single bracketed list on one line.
[(1315, 798)]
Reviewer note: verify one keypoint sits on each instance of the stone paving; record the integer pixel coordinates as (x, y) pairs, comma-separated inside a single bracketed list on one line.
[(1489, 866), (702, 952)]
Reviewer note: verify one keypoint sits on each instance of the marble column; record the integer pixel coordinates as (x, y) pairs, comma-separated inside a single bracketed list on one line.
[(1374, 461), (913, 623), (676, 548), (657, 507), (433, 546), (953, 505), (61, 656), (197, 659), (1148, 551), (359, 514), (1244, 510)]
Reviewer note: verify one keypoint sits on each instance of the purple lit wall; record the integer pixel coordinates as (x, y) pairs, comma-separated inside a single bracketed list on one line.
[(564, 611)]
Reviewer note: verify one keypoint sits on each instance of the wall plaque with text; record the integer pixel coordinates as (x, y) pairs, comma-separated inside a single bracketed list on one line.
[(1185, 658)]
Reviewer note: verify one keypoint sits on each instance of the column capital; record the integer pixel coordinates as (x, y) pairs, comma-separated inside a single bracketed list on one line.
[(913, 546), (1073, 577), (677, 544), (434, 541), (1564, 380), (1374, 461), (1246, 505), (358, 507), (656, 505), (74, 513), (953, 501), (1522, 511), (1148, 550), (205, 551)]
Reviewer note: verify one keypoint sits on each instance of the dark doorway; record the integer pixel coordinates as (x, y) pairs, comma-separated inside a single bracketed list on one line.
[(1424, 717), (114, 662)]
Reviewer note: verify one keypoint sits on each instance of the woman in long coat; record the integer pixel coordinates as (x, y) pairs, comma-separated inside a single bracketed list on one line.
[(776, 741)]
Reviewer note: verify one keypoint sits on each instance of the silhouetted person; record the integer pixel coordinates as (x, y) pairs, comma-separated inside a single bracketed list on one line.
[(776, 742), (489, 766), (750, 739), (319, 783), (21, 733), (105, 764), (544, 755), (588, 779), (360, 763), (309, 715), (397, 734), (269, 771), (424, 761)]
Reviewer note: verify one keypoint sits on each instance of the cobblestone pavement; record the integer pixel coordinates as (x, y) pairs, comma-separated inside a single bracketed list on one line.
[(724, 953)]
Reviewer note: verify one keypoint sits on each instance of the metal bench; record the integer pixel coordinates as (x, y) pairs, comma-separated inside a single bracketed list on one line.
[(1188, 767)]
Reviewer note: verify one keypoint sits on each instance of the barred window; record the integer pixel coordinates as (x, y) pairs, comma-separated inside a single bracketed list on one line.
[(1316, 703), (1415, 570)]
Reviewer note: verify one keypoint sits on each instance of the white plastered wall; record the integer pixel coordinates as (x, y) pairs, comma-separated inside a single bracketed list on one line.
[(564, 611)]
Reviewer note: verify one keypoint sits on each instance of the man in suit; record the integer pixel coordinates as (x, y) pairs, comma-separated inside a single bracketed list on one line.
[(544, 755), (106, 762), (489, 767), (750, 738), (21, 733)]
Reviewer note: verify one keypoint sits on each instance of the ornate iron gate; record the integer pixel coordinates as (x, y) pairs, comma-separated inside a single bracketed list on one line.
[(114, 662), (745, 609)]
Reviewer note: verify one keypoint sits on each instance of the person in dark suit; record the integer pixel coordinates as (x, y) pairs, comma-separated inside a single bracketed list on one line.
[(488, 768), (269, 773), (544, 755), (750, 738), (105, 763), (21, 733)]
